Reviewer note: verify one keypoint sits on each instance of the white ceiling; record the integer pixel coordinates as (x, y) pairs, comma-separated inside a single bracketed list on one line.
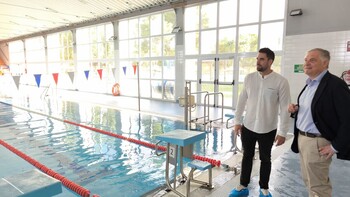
[(21, 18)]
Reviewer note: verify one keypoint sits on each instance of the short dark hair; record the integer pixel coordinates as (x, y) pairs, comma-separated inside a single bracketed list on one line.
[(270, 54)]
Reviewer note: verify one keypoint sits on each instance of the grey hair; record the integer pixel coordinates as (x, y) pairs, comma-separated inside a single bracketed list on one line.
[(324, 54)]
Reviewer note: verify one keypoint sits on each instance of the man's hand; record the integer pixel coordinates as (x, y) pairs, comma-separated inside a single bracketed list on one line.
[(326, 151), (292, 108), (238, 129), (279, 140)]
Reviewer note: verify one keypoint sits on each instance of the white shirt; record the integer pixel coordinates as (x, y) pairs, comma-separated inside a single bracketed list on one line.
[(264, 98)]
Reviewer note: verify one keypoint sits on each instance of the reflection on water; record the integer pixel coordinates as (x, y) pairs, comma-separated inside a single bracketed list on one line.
[(100, 163)]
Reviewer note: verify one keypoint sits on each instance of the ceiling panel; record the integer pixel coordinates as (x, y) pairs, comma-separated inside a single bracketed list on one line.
[(19, 18)]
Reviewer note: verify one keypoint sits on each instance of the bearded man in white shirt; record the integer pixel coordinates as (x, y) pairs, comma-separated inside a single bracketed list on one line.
[(265, 96)]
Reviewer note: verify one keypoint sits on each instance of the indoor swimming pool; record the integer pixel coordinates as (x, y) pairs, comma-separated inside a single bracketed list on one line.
[(105, 165)]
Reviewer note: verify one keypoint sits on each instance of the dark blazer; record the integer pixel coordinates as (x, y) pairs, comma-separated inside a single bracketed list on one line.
[(330, 110)]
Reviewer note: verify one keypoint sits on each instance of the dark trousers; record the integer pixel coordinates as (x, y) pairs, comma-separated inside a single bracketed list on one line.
[(265, 142)]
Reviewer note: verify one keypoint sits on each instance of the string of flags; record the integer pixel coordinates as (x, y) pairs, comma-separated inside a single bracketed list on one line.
[(71, 75)]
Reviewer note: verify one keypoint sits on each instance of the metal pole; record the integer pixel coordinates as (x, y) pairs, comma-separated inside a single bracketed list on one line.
[(186, 107), (138, 85)]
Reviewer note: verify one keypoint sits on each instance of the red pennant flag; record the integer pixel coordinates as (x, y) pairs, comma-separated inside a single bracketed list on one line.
[(134, 66), (55, 77), (100, 72)]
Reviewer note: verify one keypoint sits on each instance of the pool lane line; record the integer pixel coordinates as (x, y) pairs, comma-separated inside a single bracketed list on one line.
[(109, 133), (65, 181)]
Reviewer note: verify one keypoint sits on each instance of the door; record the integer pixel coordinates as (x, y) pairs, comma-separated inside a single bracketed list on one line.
[(216, 75)]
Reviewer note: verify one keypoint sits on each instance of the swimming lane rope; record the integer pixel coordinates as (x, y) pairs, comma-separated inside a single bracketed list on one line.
[(136, 141), (65, 181), (143, 143)]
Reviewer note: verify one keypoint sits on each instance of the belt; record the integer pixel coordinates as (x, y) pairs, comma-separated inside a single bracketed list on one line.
[(312, 135)]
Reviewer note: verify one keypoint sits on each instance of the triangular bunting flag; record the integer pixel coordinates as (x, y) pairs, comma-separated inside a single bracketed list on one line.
[(87, 74), (124, 69), (16, 80), (37, 79), (71, 76), (134, 66), (113, 71), (100, 72), (55, 77)]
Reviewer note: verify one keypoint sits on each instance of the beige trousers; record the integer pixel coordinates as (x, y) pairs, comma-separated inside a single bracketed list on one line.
[(315, 167)]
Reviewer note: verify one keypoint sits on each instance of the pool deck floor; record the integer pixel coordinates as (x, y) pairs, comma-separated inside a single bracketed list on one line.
[(285, 179)]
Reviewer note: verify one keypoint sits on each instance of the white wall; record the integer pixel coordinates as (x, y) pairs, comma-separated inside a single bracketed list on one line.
[(296, 47)]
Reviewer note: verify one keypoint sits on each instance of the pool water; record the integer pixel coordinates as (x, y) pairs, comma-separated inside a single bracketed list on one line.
[(105, 165)]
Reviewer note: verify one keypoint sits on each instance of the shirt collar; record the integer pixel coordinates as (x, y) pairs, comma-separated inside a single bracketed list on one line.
[(266, 76), (317, 79)]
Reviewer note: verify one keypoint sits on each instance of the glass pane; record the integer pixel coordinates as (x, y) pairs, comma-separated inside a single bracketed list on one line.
[(227, 92), (144, 26), (192, 43), (35, 56), (124, 49), (53, 54), (209, 88), (156, 44), (109, 31), (226, 70), (133, 28), (156, 69), (169, 22), (101, 51), (169, 93), (228, 13), (128, 87), (144, 47), (249, 11), (53, 41), (227, 40), (93, 51), (248, 39), (16, 46), (83, 52), (208, 70), (123, 30), (145, 88), (276, 66), (110, 50), (169, 45), (272, 35), (101, 36), (246, 65), (35, 43), (83, 36), (156, 24), (273, 9), (133, 48), (169, 69), (208, 42), (191, 69), (145, 69), (209, 15), (191, 18), (157, 89)]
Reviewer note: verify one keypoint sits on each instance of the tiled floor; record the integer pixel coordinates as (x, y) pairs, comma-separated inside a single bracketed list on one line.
[(285, 177)]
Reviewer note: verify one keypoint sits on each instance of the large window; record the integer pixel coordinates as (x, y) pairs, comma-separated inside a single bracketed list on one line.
[(17, 57), (95, 58), (35, 55), (147, 44), (60, 52), (230, 32)]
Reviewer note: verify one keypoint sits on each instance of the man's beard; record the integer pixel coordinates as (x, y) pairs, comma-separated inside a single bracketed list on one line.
[(260, 68)]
